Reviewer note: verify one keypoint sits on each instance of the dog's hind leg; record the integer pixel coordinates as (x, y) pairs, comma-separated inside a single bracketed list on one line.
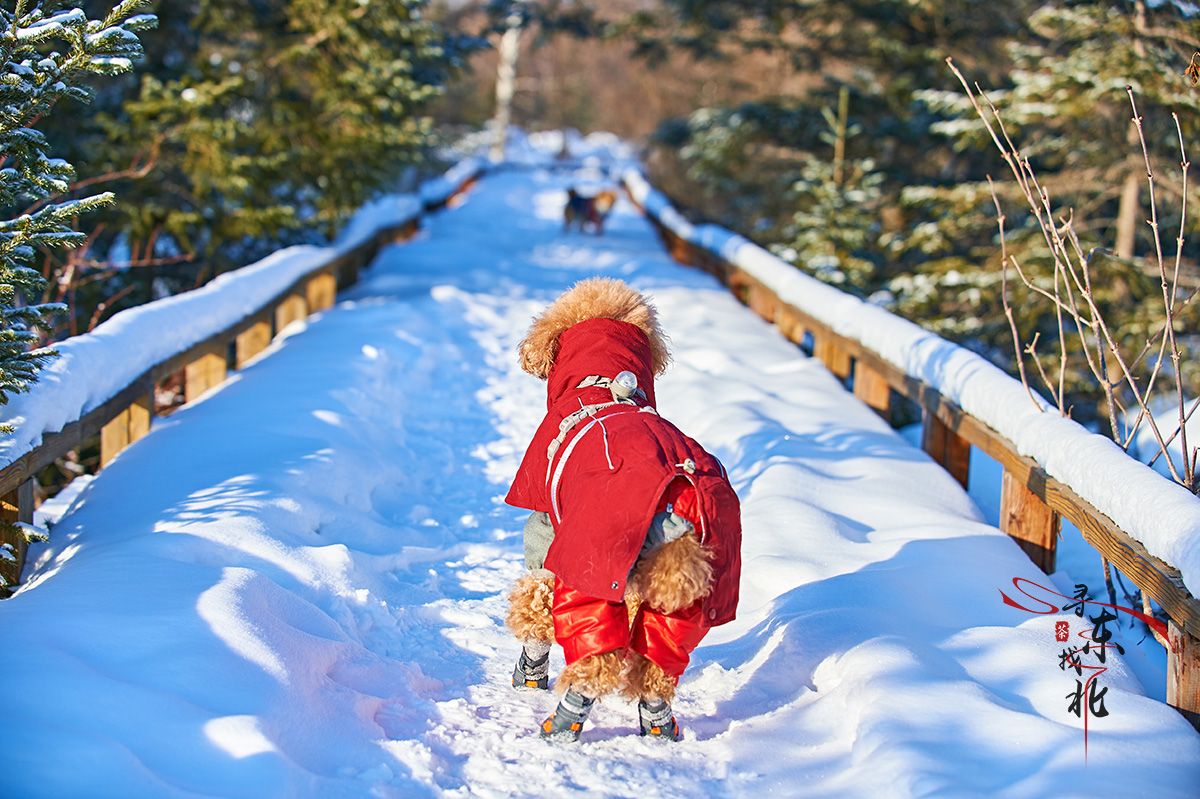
[(581, 684), (654, 689)]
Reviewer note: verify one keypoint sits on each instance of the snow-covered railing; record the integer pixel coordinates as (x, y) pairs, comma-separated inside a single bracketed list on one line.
[(103, 382), (1147, 526)]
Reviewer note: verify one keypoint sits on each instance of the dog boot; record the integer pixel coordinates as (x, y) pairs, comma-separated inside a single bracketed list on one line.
[(566, 722), (657, 721), (533, 668)]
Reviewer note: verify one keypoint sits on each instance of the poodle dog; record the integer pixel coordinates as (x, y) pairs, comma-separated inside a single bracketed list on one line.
[(633, 543)]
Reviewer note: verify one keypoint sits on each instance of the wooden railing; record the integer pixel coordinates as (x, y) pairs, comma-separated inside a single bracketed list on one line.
[(125, 417), (1033, 503)]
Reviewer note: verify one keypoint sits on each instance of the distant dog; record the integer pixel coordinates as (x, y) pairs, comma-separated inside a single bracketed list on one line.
[(583, 210), (634, 542)]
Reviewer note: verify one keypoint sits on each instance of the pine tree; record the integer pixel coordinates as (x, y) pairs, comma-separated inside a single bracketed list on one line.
[(49, 50), (265, 124), (835, 232), (925, 224), (1066, 106)]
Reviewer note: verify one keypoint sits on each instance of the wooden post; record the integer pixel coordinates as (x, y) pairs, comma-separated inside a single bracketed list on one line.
[(789, 324), (251, 342), (406, 232), (680, 250), (1029, 520), (1183, 673), (320, 291), (114, 437), (202, 373), (762, 301), (947, 448), (293, 308), (834, 357), (15, 506), (873, 389), (140, 413), (125, 428)]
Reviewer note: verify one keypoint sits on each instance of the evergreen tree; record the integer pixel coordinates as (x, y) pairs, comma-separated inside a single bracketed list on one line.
[(836, 231), (1066, 106), (263, 124), (924, 223), (49, 51)]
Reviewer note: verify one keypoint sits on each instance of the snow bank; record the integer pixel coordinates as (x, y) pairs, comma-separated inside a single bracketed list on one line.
[(95, 366), (312, 602), (1160, 514)]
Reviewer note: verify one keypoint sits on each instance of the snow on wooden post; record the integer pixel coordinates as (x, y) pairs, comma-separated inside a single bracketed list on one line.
[(1183, 673), (125, 428), (205, 370), (873, 389), (15, 506), (320, 291), (946, 447), (1030, 521), (293, 308), (251, 342)]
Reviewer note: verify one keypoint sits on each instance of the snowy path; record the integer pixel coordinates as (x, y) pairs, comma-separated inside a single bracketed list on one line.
[(294, 587)]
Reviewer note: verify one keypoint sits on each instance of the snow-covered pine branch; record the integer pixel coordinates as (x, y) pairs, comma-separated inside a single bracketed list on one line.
[(49, 49)]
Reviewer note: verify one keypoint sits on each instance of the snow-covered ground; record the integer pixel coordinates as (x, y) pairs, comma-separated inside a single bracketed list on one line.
[(294, 586)]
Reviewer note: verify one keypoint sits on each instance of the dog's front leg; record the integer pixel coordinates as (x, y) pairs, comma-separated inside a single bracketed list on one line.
[(530, 620)]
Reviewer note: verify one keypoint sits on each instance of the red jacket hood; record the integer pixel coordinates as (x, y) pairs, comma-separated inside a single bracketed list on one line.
[(604, 347)]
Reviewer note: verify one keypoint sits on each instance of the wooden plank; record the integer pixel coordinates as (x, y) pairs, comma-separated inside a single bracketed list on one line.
[(1183, 673), (320, 291), (251, 342), (15, 506), (1030, 521), (114, 437), (292, 308), (72, 436), (872, 388)]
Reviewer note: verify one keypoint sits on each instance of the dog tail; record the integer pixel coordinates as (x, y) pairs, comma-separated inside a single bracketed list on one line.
[(674, 575)]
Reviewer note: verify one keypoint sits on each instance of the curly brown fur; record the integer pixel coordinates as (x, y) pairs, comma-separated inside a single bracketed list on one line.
[(645, 680), (594, 298), (633, 600), (594, 675), (674, 575), (529, 604)]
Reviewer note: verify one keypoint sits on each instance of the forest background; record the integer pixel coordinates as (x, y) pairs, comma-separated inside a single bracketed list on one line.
[(834, 134)]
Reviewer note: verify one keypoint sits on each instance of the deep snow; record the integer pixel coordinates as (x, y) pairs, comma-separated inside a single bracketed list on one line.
[(294, 586)]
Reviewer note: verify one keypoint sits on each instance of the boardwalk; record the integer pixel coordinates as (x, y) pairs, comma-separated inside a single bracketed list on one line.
[(294, 587)]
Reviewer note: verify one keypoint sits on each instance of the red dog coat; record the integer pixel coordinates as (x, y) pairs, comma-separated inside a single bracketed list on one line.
[(608, 476)]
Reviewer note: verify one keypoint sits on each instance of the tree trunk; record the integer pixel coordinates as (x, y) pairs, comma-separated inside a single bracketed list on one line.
[(506, 78)]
